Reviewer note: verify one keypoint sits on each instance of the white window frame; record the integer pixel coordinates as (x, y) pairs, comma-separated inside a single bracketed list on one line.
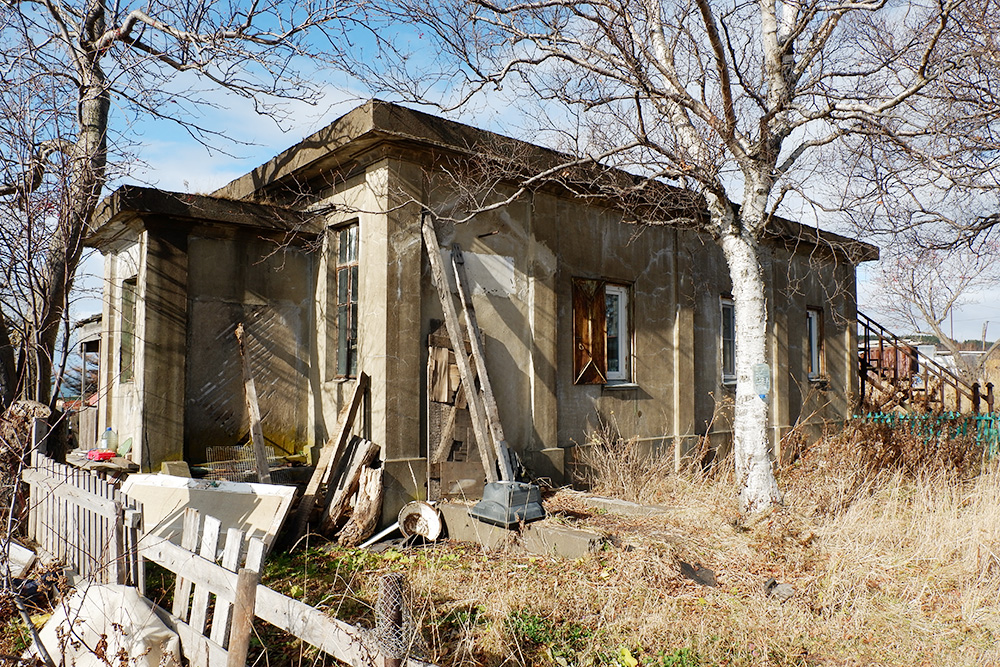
[(726, 304), (624, 372)]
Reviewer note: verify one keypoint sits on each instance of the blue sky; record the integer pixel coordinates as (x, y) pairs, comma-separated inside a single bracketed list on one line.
[(172, 160)]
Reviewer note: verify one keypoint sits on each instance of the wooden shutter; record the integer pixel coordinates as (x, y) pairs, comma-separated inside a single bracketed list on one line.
[(590, 362)]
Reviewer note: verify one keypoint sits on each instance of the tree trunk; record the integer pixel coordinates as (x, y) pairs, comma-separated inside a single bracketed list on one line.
[(754, 473), (87, 180)]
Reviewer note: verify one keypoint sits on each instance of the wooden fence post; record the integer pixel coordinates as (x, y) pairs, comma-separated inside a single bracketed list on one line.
[(243, 613)]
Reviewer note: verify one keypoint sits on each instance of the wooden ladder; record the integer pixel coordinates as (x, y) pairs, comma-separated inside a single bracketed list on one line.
[(482, 403)]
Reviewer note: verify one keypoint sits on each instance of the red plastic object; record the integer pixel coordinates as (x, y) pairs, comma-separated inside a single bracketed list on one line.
[(101, 454)]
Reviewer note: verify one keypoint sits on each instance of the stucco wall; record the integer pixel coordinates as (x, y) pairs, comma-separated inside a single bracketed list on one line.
[(522, 259), (270, 290), (533, 249)]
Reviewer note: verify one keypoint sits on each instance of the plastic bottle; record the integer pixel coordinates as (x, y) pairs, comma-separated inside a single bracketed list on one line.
[(109, 440)]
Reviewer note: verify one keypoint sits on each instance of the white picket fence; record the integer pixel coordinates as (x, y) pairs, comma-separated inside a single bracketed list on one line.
[(86, 522), (82, 520)]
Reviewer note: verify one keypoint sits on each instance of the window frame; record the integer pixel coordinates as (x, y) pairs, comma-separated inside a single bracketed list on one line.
[(624, 337), (342, 300), (128, 324), (815, 344), (727, 370), (590, 332)]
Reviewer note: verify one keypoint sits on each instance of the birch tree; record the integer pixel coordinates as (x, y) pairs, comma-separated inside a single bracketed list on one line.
[(742, 102), (76, 76)]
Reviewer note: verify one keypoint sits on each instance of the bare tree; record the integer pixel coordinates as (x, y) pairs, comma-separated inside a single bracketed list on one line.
[(923, 287), (66, 67), (741, 102), (928, 177)]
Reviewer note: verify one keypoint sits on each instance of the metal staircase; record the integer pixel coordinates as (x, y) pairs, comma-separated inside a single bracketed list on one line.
[(896, 377)]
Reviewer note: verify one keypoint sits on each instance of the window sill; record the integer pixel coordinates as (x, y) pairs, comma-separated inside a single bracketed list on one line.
[(820, 382), (620, 385)]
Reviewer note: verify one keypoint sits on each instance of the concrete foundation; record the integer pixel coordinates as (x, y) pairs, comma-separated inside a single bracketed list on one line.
[(545, 537)]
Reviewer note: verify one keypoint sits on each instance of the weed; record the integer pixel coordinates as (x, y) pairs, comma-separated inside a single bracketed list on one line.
[(14, 637), (679, 657), (622, 467)]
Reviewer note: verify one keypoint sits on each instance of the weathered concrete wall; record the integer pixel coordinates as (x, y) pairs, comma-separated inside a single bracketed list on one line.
[(522, 259), (120, 405), (165, 324), (270, 290)]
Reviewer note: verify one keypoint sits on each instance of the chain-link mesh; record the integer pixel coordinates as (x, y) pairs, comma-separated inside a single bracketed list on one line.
[(395, 629)]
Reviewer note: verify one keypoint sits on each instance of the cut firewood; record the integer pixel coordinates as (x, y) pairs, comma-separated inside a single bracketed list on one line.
[(330, 456), (361, 453), (367, 508)]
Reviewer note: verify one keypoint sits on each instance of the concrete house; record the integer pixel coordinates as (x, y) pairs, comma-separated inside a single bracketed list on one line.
[(319, 254)]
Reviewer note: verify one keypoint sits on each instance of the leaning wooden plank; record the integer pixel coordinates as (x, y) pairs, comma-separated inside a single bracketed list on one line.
[(341, 640), (253, 410), (189, 541), (440, 280), (362, 456), (209, 545), (328, 456), (479, 355), (332, 636)]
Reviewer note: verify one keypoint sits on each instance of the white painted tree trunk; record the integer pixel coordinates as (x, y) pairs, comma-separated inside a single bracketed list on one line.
[(754, 473)]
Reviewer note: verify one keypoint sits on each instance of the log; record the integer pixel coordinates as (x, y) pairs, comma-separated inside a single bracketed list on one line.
[(340, 494), (330, 456), (367, 508)]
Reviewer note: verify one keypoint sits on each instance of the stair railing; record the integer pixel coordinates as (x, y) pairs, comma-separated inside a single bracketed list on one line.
[(875, 343)]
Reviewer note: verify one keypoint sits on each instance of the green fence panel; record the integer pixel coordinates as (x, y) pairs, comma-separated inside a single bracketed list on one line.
[(950, 424)]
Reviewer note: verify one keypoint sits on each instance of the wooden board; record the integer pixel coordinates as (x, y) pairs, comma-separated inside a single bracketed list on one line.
[(329, 457), (253, 411), (454, 328)]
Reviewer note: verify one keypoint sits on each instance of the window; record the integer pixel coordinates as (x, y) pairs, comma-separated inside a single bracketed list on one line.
[(814, 344), (342, 302), (617, 345), (127, 356), (602, 338), (728, 341)]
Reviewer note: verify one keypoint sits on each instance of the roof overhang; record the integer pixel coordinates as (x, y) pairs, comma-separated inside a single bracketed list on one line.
[(129, 209)]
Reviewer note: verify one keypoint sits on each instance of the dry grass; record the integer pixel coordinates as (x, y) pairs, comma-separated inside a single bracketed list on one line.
[(892, 564)]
